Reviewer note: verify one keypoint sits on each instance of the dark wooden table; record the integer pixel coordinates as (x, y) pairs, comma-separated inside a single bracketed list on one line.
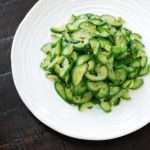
[(19, 129)]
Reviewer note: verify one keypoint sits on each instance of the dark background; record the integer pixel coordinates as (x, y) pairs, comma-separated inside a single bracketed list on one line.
[(19, 130)]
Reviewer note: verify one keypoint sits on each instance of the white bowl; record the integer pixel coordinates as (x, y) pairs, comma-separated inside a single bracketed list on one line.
[(39, 94)]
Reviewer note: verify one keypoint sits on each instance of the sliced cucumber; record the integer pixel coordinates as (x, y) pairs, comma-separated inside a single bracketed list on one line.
[(104, 31), (106, 106), (114, 90), (58, 48), (105, 44), (108, 18), (97, 22), (143, 61), (125, 94), (52, 77), (137, 84), (102, 58), (85, 106), (120, 75), (88, 27), (95, 45), (136, 63), (95, 60), (133, 74), (80, 88), (78, 73), (128, 84), (93, 86), (144, 70), (68, 50), (91, 65), (58, 29), (135, 36), (103, 90), (69, 94), (85, 98), (118, 22), (59, 86), (46, 48), (115, 100), (74, 56), (83, 59), (101, 74)]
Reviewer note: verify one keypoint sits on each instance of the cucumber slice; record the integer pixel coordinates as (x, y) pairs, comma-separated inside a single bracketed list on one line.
[(85, 98), (135, 36), (120, 75), (88, 27), (92, 77), (137, 84), (111, 74), (85, 106), (103, 90), (74, 56), (78, 73), (101, 71), (105, 44), (80, 88), (81, 45), (107, 18), (102, 58), (95, 45), (91, 65), (114, 90), (52, 77), (83, 59), (116, 50), (140, 53), (121, 42), (104, 31), (102, 74), (46, 48), (44, 65), (74, 26), (58, 48), (128, 84), (136, 63), (56, 60), (97, 22), (72, 19), (63, 69), (68, 50), (58, 29), (145, 70), (143, 61), (93, 86), (125, 94), (133, 74), (118, 22), (59, 86), (80, 36), (69, 94), (67, 37), (106, 106), (136, 45), (115, 100)]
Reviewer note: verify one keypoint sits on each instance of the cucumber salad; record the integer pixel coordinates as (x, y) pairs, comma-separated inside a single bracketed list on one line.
[(95, 60)]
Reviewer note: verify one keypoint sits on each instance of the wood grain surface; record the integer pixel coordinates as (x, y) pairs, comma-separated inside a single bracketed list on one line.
[(19, 129)]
